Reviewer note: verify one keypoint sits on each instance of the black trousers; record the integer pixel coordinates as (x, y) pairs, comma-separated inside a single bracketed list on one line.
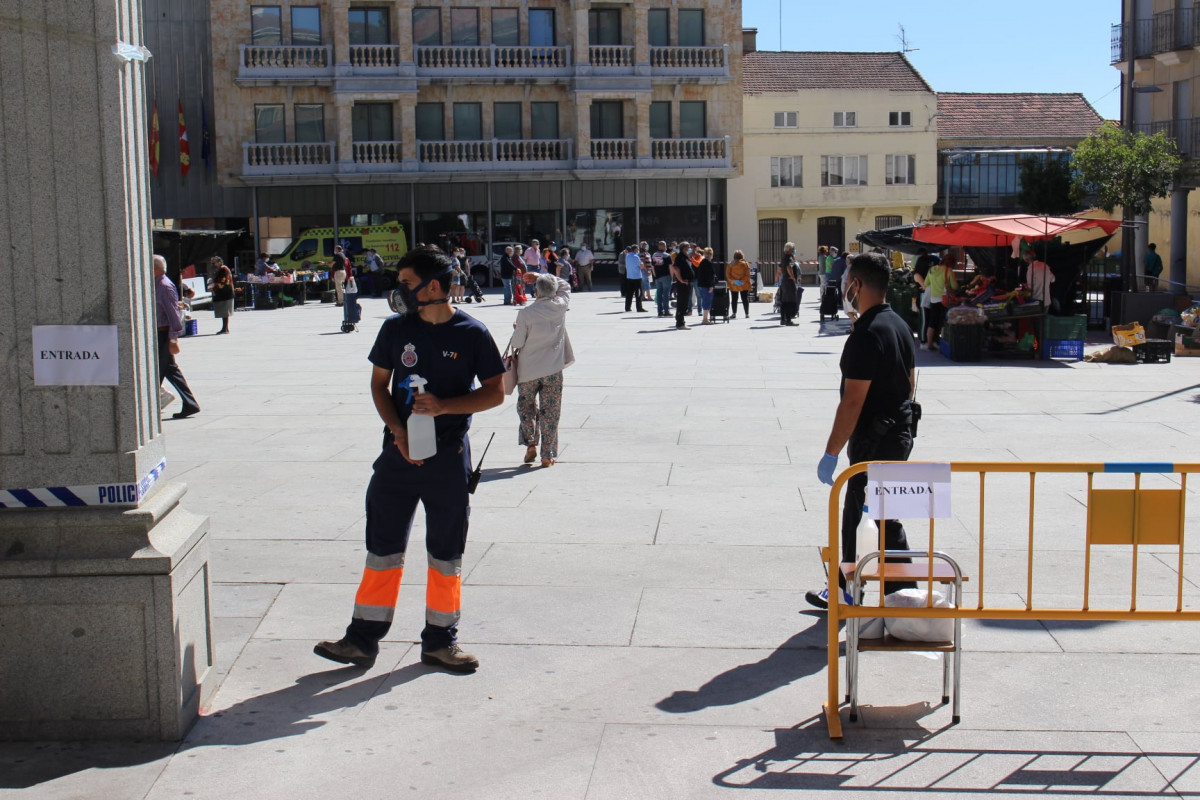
[(896, 446), (632, 290), (788, 312), (733, 301), (168, 370), (682, 292)]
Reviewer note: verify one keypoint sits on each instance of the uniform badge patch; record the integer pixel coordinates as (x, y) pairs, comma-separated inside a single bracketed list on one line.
[(409, 357)]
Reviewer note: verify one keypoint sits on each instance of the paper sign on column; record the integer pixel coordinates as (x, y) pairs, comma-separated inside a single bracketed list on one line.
[(908, 491), (75, 355)]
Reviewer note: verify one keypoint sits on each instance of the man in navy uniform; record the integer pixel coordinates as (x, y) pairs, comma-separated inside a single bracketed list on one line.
[(439, 343)]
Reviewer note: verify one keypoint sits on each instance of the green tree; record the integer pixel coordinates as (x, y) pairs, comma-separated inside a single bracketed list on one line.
[(1120, 168), (1048, 185)]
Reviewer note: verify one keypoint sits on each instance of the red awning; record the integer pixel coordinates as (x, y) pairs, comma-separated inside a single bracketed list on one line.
[(1000, 231)]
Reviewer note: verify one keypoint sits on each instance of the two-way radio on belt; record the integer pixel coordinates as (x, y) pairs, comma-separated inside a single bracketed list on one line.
[(477, 473)]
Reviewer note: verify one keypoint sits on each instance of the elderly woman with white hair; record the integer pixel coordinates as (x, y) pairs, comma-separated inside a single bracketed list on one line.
[(543, 351)]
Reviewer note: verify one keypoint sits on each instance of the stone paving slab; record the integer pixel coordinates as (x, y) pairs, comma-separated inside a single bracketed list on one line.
[(638, 607)]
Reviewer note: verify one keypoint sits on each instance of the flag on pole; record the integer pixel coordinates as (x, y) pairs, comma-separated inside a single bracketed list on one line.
[(154, 142), (205, 143), (185, 152)]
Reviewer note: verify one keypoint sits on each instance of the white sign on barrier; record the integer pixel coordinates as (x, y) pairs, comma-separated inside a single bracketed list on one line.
[(75, 355), (905, 491)]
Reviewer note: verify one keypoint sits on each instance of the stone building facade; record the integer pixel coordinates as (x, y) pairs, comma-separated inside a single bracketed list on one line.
[(494, 120)]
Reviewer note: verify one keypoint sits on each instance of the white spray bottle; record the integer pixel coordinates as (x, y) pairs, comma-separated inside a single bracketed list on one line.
[(422, 434)]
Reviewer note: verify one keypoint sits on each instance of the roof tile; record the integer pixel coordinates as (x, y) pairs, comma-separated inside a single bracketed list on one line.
[(1021, 115), (768, 71)]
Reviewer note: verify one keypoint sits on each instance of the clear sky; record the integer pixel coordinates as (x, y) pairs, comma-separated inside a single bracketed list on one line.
[(963, 45)]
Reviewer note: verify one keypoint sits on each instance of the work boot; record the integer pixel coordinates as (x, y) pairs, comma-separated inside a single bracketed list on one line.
[(451, 658), (344, 652)]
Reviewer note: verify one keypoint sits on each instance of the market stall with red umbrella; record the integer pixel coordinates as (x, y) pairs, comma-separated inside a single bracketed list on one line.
[(1014, 325)]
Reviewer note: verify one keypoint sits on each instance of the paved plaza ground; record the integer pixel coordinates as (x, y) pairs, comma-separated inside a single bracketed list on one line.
[(639, 607)]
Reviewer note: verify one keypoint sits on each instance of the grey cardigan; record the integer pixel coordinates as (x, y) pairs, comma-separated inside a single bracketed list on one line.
[(541, 336)]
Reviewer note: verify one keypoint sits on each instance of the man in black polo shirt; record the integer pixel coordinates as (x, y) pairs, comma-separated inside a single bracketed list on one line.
[(875, 413)]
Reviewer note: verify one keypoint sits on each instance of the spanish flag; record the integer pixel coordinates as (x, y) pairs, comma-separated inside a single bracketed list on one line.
[(185, 152), (154, 142)]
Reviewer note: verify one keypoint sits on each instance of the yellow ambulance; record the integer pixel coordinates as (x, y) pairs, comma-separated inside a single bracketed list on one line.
[(315, 245)]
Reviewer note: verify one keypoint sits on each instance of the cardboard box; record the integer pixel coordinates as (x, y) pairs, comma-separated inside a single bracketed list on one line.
[(1187, 345), (1129, 335)]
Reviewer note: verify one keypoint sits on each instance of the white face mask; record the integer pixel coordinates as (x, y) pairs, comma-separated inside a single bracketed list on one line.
[(847, 303)]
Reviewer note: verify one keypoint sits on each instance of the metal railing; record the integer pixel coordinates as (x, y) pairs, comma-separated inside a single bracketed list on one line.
[(377, 153), (287, 158), (609, 56), (1185, 133), (1146, 520), (686, 59), (690, 149), (1178, 29), (614, 149), (474, 58), (277, 60), (374, 56)]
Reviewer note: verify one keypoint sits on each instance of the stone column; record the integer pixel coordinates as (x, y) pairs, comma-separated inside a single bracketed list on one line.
[(583, 129), (104, 612), (641, 42), (579, 39), (641, 106), (408, 131), (343, 108), (1179, 242), (339, 10)]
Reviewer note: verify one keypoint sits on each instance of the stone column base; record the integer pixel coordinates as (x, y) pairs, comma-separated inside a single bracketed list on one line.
[(105, 621)]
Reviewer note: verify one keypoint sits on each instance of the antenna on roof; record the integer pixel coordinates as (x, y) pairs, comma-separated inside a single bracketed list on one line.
[(902, 37)]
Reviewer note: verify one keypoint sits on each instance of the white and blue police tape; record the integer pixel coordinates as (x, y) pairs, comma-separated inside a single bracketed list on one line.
[(110, 494)]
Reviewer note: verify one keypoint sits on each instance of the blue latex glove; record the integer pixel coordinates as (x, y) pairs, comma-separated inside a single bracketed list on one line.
[(826, 468)]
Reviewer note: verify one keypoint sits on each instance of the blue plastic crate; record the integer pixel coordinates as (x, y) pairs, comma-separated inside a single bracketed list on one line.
[(1063, 348)]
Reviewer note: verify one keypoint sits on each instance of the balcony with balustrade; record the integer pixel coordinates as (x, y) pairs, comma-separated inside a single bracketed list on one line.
[(683, 63), (294, 160), (693, 153), (288, 158), (494, 63), (275, 65), (1168, 36)]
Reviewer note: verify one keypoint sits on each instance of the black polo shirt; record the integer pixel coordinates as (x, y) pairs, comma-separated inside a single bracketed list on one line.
[(451, 356), (880, 350)]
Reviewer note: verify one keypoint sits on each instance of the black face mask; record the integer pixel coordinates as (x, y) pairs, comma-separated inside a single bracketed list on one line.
[(404, 300)]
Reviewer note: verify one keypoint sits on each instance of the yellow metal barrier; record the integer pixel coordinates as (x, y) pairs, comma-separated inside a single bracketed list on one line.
[(1131, 517)]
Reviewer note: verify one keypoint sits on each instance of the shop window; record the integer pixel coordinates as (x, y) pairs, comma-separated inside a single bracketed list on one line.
[(604, 26), (266, 25), (506, 27), (785, 119), (306, 26), (506, 120), (427, 27), (900, 119), (369, 26), (371, 122), (310, 122), (660, 120), (691, 27), (843, 170), (786, 170), (464, 26), (541, 27), (901, 169), (431, 122), (693, 123), (888, 221), (268, 124), (845, 119), (543, 120), (658, 24), (468, 122), (608, 120)]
